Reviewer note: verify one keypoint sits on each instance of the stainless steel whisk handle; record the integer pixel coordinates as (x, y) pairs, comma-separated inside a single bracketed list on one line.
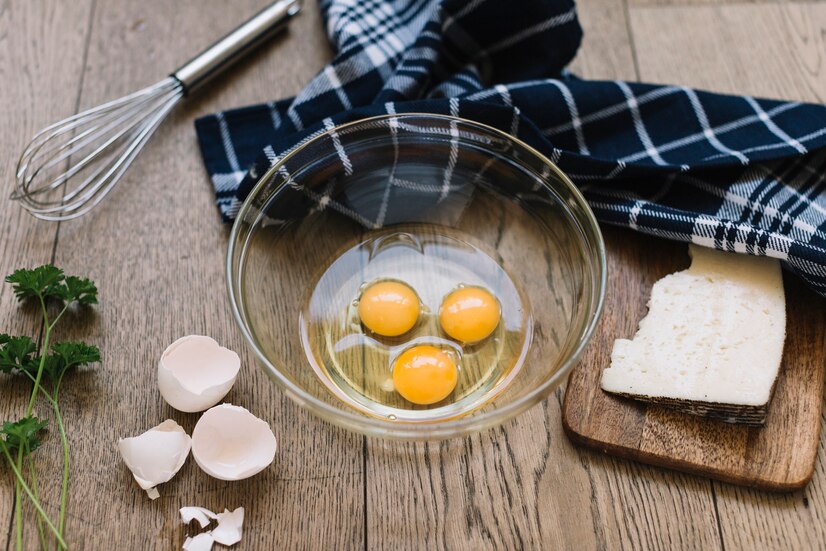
[(233, 46)]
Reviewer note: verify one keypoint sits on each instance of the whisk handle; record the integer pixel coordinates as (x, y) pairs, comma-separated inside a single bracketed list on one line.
[(236, 44)]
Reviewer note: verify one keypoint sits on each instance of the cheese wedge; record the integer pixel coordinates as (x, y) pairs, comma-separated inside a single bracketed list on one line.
[(712, 341)]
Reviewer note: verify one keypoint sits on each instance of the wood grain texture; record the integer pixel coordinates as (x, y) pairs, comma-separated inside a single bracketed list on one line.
[(156, 249), (770, 50), (706, 3), (41, 59), (607, 50), (524, 485), (778, 456), (663, 38), (161, 276)]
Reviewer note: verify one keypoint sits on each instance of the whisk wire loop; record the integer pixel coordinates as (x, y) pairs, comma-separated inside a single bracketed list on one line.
[(92, 148), (70, 166)]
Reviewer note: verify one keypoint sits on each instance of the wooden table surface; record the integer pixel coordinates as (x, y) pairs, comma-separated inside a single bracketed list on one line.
[(156, 250)]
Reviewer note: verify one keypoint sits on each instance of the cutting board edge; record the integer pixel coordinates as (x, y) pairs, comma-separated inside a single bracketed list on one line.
[(671, 463)]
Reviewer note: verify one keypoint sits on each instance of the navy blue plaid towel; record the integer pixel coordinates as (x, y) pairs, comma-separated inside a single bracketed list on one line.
[(734, 173)]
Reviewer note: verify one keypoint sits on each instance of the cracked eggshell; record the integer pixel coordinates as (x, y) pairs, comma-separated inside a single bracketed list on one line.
[(230, 443), (228, 531), (201, 542), (195, 373), (156, 455), (203, 516)]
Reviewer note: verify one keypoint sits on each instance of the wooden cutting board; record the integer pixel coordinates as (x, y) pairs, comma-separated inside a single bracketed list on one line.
[(779, 456)]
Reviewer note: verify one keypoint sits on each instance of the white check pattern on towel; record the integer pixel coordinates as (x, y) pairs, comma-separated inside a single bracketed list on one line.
[(732, 172)]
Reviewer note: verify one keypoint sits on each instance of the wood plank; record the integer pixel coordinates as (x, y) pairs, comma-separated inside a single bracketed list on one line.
[(705, 3), (608, 502), (524, 485), (516, 486), (765, 50), (779, 52), (156, 249), (607, 49), (623, 485), (619, 486), (41, 62), (451, 495), (645, 508)]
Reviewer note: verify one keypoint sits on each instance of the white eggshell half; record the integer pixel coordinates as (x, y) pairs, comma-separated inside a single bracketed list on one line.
[(195, 373), (201, 542), (156, 455), (230, 443), (228, 531)]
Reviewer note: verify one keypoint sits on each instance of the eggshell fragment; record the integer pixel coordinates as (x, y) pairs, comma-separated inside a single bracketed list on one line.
[(230, 443), (156, 455), (228, 531), (203, 516), (201, 542), (195, 373)]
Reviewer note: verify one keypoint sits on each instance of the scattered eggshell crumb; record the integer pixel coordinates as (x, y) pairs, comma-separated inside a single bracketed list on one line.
[(387, 385), (195, 373), (201, 542), (203, 516), (228, 531), (230, 443), (156, 455)]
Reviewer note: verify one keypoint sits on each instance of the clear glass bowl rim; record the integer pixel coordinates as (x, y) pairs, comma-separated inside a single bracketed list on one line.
[(409, 431)]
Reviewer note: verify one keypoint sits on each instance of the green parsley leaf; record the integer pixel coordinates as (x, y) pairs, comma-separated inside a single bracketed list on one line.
[(39, 282), (22, 433), (47, 282), (16, 353), (68, 355), (80, 289)]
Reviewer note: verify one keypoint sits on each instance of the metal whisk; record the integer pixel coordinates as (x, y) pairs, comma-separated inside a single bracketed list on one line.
[(69, 167)]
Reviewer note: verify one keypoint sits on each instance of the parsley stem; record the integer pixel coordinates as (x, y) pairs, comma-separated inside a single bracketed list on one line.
[(33, 475), (22, 482), (64, 488), (46, 395), (60, 315), (65, 443), (47, 284), (18, 467), (43, 353), (64, 496), (18, 506)]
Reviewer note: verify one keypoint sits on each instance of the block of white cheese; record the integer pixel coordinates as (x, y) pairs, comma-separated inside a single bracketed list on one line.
[(712, 341)]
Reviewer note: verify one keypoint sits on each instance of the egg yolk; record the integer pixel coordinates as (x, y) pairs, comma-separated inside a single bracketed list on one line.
[(389, 308), (469, 314), (424, 375)]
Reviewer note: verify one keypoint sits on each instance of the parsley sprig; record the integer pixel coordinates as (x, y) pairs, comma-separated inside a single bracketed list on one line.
[(54, 292)]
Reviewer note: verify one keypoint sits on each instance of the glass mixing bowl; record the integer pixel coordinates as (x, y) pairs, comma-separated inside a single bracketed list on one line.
[(393, 171)]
